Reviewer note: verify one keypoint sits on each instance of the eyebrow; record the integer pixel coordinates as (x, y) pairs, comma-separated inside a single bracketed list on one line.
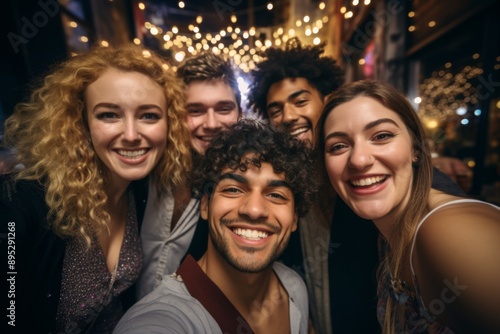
[(117, 107), (367, 127), (291, 96), (222, 102), (241, 179)]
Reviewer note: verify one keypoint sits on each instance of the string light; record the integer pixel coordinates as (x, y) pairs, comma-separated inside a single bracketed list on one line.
[(232, 40)]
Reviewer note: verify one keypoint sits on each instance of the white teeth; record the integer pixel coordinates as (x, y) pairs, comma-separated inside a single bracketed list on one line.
[(299, 131), (368, 181), (250, 234), (131, 154)]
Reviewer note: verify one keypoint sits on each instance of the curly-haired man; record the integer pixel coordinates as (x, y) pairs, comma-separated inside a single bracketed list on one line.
[(254, 188)]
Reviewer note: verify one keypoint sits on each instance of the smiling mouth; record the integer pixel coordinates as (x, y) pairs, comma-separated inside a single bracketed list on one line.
[(369, 181), (132, 154), (250, 234), (206, 139), (300, 130)]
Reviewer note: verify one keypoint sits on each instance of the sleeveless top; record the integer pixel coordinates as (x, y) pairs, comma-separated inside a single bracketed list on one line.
[(418, 319)]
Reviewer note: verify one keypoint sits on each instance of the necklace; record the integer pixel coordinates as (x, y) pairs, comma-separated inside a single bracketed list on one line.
[(400, 291)]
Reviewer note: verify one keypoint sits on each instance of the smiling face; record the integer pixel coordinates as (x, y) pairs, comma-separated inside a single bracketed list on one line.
[(251, 215), (296, 105), (126, 114), (211, 107), (368, 157)]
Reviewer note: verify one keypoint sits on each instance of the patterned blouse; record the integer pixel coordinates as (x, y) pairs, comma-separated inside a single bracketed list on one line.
[(89, 300)]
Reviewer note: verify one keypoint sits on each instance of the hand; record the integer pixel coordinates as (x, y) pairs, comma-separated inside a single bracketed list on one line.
[(456, 170)]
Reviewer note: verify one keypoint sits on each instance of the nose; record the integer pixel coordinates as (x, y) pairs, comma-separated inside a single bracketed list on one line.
[(211, 122), (290, 115), (131, 131), (361, 157), (254, 207)]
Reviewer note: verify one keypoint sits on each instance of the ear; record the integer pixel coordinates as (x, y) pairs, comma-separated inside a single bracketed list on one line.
[(204, 207), (295, 221)]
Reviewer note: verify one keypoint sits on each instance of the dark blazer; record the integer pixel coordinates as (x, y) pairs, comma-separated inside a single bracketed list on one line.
[(39, 254)]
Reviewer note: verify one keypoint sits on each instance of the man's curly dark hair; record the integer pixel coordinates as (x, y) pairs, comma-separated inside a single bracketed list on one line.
[(255, 142), (295, 61)]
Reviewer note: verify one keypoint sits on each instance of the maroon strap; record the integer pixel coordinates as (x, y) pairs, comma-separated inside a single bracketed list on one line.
[(201, 287)]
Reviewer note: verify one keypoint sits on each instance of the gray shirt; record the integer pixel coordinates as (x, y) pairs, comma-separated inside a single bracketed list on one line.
[(163, 249), (171, 309)]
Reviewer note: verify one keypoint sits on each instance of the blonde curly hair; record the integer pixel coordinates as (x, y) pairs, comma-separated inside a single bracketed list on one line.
[(51, 137)]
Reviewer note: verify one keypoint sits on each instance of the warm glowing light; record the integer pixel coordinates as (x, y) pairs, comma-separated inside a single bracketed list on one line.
[(84, 39), (322, 5), (105, 43), (361, 61), (411, 14), (432, 23), (245, 35), (355, 2), (348, 15), (179, 56), (147, 25), (223, 33), (471, 163), (308, 32), (234, 19), (343, 10), (73, 24), (411, 28), (252, 31), (431, 124), (141, 6), (199, 19), (154, 31), (280, 31), (316, 40), (306, 19), (268, 43), (417, 100), (298, 23), (146, 54), (269, 6), (315, 30), (475, 56), (182, 4), (367, 2), (137, 41), (175, 30), (291, 32), (196, 29)]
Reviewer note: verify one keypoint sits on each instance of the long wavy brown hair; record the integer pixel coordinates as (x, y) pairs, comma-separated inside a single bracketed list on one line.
[(51, 137), (397, 256)]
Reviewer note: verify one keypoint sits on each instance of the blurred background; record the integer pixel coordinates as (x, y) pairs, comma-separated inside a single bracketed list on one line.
[(443, 54)]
